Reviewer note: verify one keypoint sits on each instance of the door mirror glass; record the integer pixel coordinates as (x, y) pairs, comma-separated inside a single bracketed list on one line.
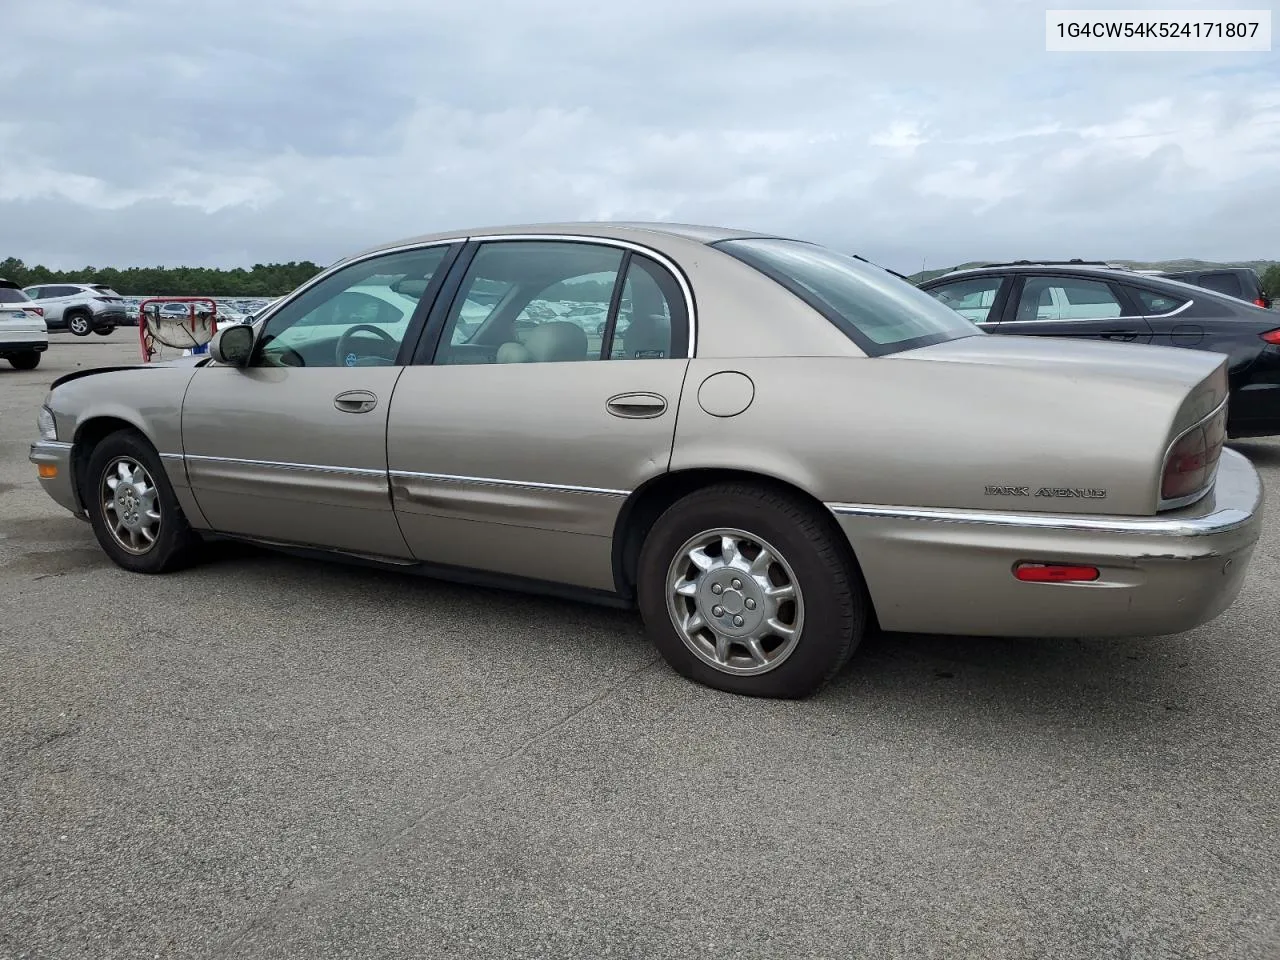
[(232, 345)]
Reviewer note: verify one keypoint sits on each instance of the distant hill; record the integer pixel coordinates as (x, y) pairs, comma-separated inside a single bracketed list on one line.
[(1188, 264)]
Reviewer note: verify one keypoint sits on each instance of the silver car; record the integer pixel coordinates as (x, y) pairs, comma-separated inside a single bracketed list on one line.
[(773, 448), (82, 308)]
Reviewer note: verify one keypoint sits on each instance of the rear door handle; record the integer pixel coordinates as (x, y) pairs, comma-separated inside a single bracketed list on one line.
[(636, 406), (355, 401), (1119, 335)]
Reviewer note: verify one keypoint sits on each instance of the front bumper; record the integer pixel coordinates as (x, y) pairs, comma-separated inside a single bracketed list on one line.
[(53, 459), (951, 572)]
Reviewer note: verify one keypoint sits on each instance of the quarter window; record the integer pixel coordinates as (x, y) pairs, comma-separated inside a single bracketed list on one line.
[(1067, 298), (357, 316), (1157, 303), (652, 324), (972, 299)]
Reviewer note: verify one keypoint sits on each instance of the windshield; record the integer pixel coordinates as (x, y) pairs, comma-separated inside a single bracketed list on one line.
[(879, 312)]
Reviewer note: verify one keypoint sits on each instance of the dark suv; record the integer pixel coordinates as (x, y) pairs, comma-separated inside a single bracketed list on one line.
[(1242, 283), (1097, 301)]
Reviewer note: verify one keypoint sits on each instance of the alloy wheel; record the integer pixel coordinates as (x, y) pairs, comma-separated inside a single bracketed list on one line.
[(130, 505), (735, 601)]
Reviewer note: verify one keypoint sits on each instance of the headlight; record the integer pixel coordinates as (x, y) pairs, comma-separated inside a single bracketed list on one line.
[(44, 420)]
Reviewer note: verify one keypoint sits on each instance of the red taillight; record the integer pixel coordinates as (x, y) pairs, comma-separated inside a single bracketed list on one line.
[(1264, 304), (1272, 336), (38, 311), (1189, 466), (1054, 573)]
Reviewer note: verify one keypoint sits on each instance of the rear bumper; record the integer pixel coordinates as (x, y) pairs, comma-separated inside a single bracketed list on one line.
[(36, 344), (951, 572), (1254, 410), (61, 486)]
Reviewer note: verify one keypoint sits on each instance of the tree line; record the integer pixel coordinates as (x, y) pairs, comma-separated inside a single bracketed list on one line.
[(1271, 281), (260, 281)]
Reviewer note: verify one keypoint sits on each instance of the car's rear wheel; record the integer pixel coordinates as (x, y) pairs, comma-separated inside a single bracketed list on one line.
[(78, 323), (751, 590), (27, 360), (105, 331), (132, 507)]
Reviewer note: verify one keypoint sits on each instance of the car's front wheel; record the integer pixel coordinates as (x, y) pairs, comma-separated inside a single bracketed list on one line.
[(105, 331), (135, 515), (78, 323), (27, 360), (751, 590)]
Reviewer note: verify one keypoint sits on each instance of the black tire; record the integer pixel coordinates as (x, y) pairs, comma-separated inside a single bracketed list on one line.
[(104, 331), (175, 544), (27, 360), (835, 601), (79, 323)]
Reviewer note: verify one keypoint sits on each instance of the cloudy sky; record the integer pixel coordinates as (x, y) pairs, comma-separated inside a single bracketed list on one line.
[(930, 132)]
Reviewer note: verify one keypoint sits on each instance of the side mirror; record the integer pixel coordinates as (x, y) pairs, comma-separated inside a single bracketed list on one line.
[(232, 345)]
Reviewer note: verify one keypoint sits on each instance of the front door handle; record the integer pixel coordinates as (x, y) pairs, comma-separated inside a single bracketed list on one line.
[(636, 406), (355, 401), (1119, 335)]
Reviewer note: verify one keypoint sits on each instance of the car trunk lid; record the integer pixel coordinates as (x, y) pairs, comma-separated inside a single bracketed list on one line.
[(1185, 390)]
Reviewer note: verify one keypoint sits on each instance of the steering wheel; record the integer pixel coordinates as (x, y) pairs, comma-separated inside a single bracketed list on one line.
[(346, 359)]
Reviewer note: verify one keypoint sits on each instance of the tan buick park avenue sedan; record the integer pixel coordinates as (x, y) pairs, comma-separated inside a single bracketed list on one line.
[(765, 445)]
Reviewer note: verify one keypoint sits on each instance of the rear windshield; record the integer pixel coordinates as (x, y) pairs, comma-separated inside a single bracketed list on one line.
[(879, 312), (10, 295)]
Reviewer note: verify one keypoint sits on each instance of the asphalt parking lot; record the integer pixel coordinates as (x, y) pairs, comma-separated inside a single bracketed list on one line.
[(269, 757)]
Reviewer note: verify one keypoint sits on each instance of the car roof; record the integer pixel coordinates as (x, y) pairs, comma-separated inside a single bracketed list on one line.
[(608, 229), (1133, 277), (1065, 269), (9, 284)]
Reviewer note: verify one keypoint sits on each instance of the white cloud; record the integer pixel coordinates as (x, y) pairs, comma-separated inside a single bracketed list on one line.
[(308, 128)]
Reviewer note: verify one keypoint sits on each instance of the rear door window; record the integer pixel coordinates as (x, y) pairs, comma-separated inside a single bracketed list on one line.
[(1067, 298), (1227, 283)]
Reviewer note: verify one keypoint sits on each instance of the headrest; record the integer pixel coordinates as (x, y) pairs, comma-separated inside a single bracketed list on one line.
[(648, 337), (513, 353), (556, 340)]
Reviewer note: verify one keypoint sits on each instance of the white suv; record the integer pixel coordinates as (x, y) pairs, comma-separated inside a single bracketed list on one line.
[(23, 335), (81, 308)]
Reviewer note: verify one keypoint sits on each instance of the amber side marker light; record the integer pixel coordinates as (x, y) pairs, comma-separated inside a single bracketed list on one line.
[(47, 471), (1054, 573)]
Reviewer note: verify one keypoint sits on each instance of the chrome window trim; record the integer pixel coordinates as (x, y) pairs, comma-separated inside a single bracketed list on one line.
[(667, 263), (1144, 316), (288, 298), (1220, 521), (1171, 313), (496, 482)]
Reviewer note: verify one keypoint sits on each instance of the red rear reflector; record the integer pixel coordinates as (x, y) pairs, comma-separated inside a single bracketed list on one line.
[(1272, 336), (1054, 573)]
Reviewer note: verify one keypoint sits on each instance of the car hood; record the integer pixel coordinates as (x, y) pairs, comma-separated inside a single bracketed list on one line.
[(193, 361)]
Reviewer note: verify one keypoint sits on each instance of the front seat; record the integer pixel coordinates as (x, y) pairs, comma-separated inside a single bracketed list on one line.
[(556, 341)]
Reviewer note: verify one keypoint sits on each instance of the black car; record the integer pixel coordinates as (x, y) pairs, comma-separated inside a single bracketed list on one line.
[(1242, 283), (1084, 301)]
